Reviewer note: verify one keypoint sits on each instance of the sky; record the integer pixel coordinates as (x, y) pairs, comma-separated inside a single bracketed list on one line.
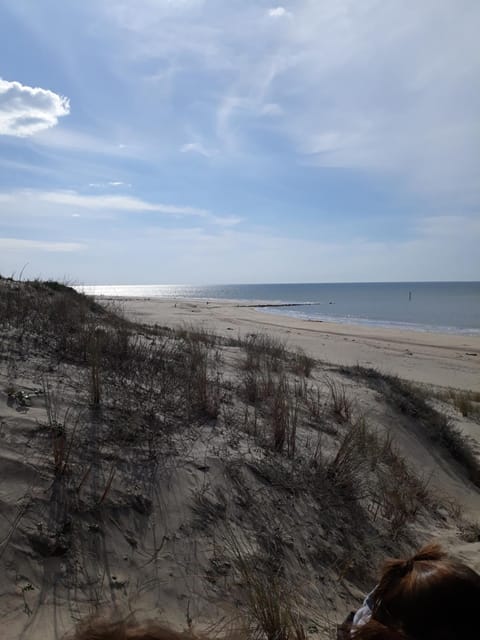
[(240, 141)]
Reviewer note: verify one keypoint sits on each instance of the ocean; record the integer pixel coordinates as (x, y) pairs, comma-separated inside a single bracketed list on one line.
[(450, 307)]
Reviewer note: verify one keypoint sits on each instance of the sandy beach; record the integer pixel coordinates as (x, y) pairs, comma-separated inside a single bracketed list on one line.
[(446, 360), (143, 470)]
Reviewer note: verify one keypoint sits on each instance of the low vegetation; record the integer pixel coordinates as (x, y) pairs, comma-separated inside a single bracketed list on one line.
[(467, 403), (412, 401), (250, 462)]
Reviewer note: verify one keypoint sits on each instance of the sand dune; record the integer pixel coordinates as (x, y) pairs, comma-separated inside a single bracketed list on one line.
[(200, 462)]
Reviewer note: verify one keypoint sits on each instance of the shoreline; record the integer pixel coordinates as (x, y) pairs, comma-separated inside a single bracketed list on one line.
[(379, 324), (327, 320), (439, 359)]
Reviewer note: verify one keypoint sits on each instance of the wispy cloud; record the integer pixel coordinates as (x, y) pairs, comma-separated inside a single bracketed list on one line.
[(26, 110), (378, 89), (111, 183), (197, 147), (372, 88), (63, 203), (271, 109), (20, 244), (73, 140), (279, 12), (115, 203), (298, 117), (75, 200)]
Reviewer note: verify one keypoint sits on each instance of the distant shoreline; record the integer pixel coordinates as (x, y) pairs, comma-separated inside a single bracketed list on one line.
[(442, 359), (444, 308), (264, 307)]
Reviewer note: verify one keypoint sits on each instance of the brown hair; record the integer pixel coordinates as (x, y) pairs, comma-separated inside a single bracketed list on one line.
[(97, 629), (426, 597)]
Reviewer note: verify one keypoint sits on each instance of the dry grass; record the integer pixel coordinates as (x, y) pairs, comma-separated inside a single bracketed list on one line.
[(258, 385), (301, 364), (263, 352), (282, 417), (412, 401), (314, 403), (466, 402), (340, 402), (272, 612), (93, 359), (59, 423), (347, 468), (208, 509), (197, 334)]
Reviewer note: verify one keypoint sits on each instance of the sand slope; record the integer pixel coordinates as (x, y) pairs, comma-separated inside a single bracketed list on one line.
[(149, 509)]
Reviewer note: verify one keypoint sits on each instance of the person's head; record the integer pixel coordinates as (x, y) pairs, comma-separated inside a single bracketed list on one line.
[(426, 597)]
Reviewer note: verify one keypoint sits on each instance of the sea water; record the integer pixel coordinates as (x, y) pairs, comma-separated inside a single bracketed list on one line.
[(452, 307)]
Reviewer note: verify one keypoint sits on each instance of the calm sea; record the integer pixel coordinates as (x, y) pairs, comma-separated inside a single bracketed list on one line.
[(452, 307)]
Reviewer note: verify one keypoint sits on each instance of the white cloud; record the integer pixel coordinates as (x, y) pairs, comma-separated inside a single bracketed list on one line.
[(197, 147), (18, 244), (26, 110), (271, 109), (278, 12), (63, 203), (30, 167), (368, 85), (110, 183), (377, 88), (65, 138), (114, 203)]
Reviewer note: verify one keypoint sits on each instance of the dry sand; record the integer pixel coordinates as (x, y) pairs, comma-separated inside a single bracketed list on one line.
[(445, 360), (151, 542), (433, 359)]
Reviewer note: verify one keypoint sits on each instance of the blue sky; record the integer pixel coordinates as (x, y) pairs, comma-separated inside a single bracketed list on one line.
[(210, 141)]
